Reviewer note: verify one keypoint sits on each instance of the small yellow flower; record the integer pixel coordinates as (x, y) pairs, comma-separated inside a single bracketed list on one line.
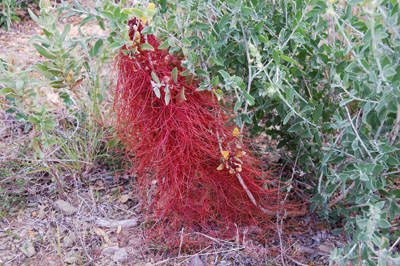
[(236, 132), (151, 6), (240, 154), (225, 154)]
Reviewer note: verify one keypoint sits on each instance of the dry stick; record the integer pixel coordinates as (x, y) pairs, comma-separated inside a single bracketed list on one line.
[(341, 196), (297, 262), (395, 243), (249, 69), (60, 189), (253, 200), (112, 223), (279, 228), (239, 177), (393, 137), (395, 131), (356, 132), (181, 241), (199, 254)]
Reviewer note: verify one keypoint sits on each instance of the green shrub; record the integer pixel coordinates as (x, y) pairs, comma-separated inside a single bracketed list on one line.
[(8, 11), (77, 70), (322, 78)]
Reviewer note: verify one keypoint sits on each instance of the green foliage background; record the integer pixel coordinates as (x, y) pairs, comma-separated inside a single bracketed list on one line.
[(322, 78)]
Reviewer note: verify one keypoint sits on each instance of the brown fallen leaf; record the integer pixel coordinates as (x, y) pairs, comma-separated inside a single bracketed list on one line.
[(101, 232), (124, 198), (32, 233)]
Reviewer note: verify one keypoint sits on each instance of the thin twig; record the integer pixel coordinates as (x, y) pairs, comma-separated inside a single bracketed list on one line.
[(297, 262), (250, 80), (341, 196), (357, 135), (115, 223), (60, 188), (395, 243), (396, 127), (391, 173)]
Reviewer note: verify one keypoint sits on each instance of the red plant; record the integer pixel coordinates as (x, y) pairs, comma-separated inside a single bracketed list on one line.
[(183, 143)]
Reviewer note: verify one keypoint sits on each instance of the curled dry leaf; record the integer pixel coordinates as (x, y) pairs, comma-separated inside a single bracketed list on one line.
[(124, 198), (32, 233), (101, 232)]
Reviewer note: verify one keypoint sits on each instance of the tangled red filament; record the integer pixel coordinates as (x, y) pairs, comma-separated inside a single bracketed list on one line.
[(182, 142)]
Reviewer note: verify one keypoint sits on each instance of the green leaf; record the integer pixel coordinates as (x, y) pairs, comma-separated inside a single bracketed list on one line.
[(218, 93), (146, 47), (57, 84), (164, 45), (201, 72), (167, 96), (296, 127), (289, 94), (115, 46), (65, 32), (383, 223), (155, 78), (44, 52), (174, 74), (214, 82), (134, 11), (33, 120), (288, 59), (7, 91), (246, 11), (183, 94), (34, 17), (218, 61), (392, 161), (49, 124), (318, 112), (117, 12), (355, 2), (157, 92), (147, 30), (249, 98), (287, 117), (185, 73), (7, 82), (314, 12), (186, 42), (95, 48), (224, 74), (345, 101), (107, 14), (19, 84), (275, 55), (238, 104)]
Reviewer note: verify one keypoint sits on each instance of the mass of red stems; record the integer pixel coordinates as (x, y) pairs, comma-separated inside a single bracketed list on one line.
[(177, 145)]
